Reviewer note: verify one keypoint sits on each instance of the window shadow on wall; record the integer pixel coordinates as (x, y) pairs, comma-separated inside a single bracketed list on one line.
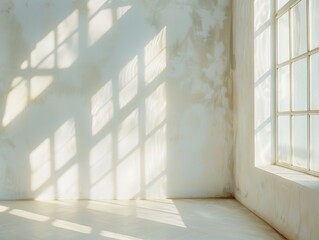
[(264, 95), (81, 119), (92, 109)]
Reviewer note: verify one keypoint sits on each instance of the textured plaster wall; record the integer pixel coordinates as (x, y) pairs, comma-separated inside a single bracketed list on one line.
[(110, 99), (286, 199)]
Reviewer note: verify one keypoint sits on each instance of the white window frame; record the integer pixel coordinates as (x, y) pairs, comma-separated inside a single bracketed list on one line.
[(280, 12)]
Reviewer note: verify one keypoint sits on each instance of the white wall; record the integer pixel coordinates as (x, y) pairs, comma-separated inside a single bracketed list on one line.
[(115, 99), (286, 199)]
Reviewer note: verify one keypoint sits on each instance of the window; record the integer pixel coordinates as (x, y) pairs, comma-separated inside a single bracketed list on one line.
[(297, 84)]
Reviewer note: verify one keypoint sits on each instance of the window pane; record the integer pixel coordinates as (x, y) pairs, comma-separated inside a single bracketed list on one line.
[(283, 38), (299, 79), (314, 24), (299, 28), (283, 89), (299, 143), (283, 139), (281, 3), (314, 141), (314, 81)]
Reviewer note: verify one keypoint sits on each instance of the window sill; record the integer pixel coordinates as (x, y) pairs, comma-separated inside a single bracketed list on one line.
[(300, 178)]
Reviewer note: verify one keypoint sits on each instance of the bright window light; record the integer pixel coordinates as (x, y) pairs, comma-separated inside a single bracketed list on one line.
[(297, 101), (72, 226), (29, 215)]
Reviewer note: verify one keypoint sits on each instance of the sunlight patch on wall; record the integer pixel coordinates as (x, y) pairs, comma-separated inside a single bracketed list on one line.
[(72, 226), (117, 236), (64, 144), (102, 108), (128, 82), (262, 12), (42, 56), (38, 84), (263, 144), (263, 53), (16, 81), (128, 176), (94, 6), (24, 65), (121, 11), (29, 215), (40, 163), (68, 40), (128, 170), (262, 102), (47, 193), (16, 102), (67, 27), (156, 108), (99, 25), (128, 135), (100, 169), (68, 183), (155, 164), (68, 51), (155, 56), (155, 145), (263, 77)]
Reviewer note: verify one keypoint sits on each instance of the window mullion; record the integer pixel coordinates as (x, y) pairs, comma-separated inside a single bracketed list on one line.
[(286, 7), (291, 113), (275, 84), (290, 85), (308, 85)]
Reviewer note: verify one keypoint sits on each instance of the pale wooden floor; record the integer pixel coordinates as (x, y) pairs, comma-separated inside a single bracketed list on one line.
[(131, 220)]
